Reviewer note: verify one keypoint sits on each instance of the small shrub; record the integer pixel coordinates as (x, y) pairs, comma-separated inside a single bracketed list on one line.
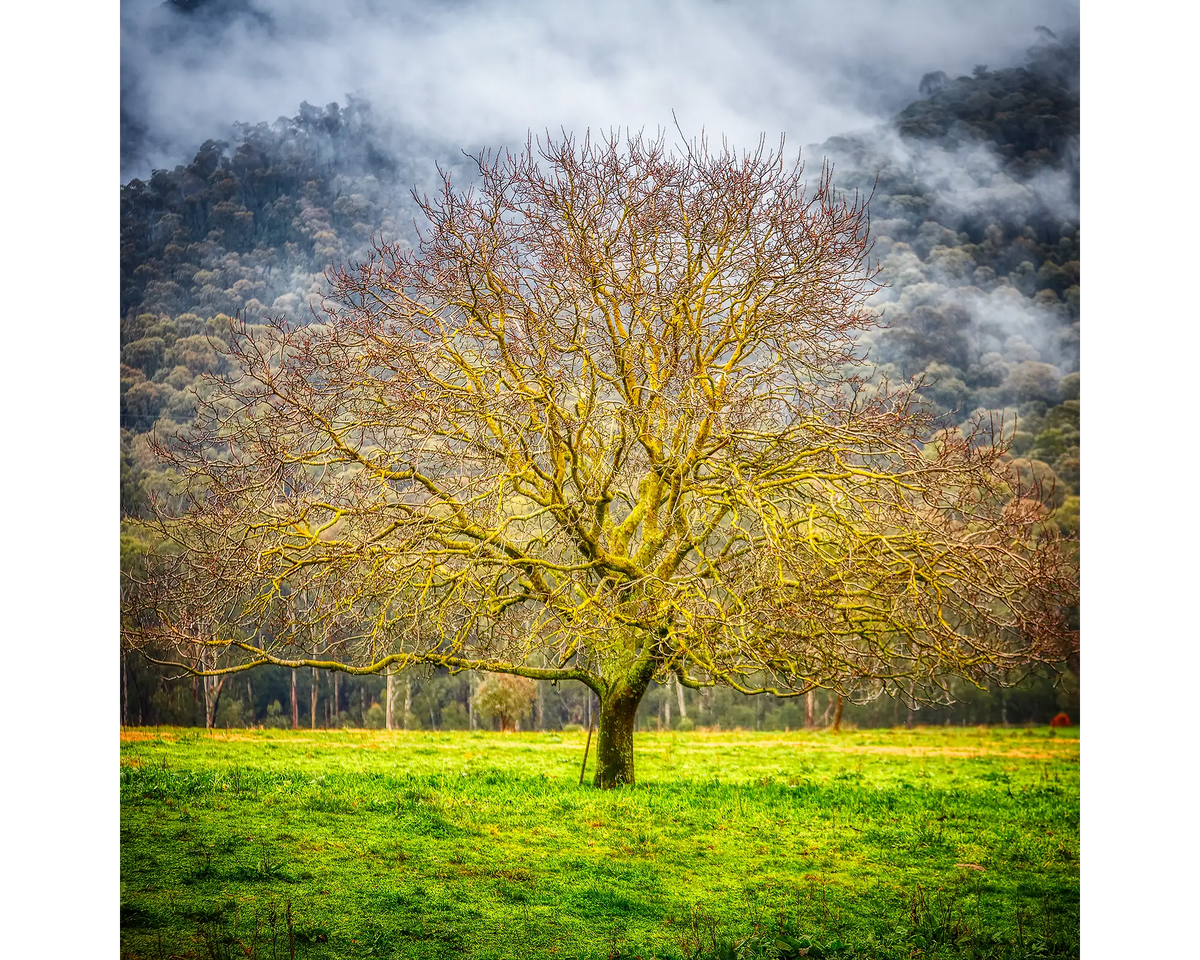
[(275, 720), (231, 713), (454, 716), (685, 724), (376, 718)]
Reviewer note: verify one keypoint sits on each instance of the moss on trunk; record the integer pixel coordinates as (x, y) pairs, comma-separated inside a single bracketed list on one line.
[(614, 741)]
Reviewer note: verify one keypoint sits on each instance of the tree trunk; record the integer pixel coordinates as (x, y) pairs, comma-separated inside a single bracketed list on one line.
[(295, 703), (212, 696), (334, 711), (208, 711), (471, 699), (682, 703), (362, 704), (809, 709), (314, 699), (389, 697), (667, 703), (541, 720), (614, 740), (407, 699), (125, 688), (137, 698), (837, 716)]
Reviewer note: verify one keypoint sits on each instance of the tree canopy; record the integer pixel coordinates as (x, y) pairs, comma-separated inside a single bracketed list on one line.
[(610, 421)]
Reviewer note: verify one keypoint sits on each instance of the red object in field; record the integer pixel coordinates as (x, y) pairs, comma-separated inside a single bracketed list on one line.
[(1062, 720)]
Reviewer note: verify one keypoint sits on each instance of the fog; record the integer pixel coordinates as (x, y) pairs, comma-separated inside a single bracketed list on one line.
[(468, 74)]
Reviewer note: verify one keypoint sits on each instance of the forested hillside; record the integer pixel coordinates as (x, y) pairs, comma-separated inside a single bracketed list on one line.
[(975, 212), (974, 207)]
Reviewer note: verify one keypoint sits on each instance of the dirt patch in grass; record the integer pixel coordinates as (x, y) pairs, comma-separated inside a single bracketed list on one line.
[(818, 741), (174, 735), (953, 752)]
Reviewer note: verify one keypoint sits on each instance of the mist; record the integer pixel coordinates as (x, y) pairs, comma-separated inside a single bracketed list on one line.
[(465, 74)]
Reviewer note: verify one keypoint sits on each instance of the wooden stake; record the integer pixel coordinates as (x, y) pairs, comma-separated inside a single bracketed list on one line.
[(586, 747)]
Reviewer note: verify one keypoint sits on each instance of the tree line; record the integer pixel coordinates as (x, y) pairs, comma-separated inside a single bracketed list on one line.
[(435, 700)]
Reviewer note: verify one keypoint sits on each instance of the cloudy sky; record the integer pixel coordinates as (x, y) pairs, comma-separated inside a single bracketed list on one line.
[(471, 74)]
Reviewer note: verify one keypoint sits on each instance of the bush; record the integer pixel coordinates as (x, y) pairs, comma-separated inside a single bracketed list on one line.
[(454, 716), (376, 718), (739, 715), (174, 706), (231, 713), (275, 720), (572, 728), (685, 724)]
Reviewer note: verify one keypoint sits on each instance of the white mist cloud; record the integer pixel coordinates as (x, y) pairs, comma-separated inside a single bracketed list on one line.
[(471, 74), (966, 179)]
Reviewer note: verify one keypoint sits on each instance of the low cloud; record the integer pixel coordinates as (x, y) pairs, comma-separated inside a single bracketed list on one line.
[(470, 74)]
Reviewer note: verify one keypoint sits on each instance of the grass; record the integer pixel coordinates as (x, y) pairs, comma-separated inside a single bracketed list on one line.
[(934, 842)]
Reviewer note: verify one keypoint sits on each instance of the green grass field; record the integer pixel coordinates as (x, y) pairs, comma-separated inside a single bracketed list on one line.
[(934, 842)]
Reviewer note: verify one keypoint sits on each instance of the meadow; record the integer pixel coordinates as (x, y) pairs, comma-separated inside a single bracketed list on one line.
[(931, 842)]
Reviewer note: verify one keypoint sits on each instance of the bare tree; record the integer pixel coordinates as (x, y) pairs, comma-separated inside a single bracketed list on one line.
[(610, 422)]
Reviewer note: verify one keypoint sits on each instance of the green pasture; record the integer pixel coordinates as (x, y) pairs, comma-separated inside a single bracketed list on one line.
[(933, 842)]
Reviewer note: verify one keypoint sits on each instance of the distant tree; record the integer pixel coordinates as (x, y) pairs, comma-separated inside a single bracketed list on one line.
[(932, 82), (1031, 380), (141, 403), (1035, 480), (145, 354), (506, 698), (609, 423), (196, 353)]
